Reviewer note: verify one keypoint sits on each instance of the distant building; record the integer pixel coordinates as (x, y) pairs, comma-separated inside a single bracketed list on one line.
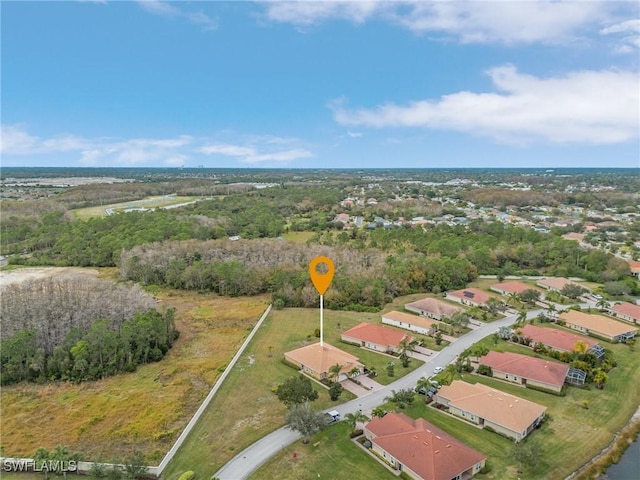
[(410, 322), (526, 370), (469, 296), (556, 284), (626, 311), (506, 414), (556, 339), (598, 325), (506, 288), (634, 266), (376, 337), (432, 308), (421, 450), (316, 360)]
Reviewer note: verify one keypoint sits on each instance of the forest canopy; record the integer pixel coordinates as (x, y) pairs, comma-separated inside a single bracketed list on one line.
[(72, 329)]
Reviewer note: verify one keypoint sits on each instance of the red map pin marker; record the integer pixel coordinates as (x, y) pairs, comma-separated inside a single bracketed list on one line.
[(321, 280)]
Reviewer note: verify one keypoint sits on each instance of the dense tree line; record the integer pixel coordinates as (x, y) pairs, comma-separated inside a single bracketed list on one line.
[(88, 354), (364, 279), (55, 238), (54, 307)]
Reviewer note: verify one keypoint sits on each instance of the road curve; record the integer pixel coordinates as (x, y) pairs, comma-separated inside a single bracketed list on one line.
[(252, 457)]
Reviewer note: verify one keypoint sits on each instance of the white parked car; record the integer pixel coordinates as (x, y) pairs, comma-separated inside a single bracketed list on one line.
[(438, 369)]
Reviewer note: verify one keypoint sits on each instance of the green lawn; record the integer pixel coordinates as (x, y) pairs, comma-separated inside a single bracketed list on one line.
[(245, 409), (330, 454), (568, 439), (298, 237)]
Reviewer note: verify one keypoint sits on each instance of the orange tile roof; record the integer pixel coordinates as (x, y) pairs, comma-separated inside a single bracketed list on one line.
[(410, 319), (627, 308), (434, 306), (634, 266), (558, 283), (321, 359), (377, 334), (422, 447), (524, 366), (558, 339), (472, 294), (597, 324), (509, 411), (513, 287)]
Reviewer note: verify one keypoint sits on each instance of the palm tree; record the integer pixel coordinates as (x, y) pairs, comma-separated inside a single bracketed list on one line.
[(513, 299), (522, 316), (602, 304), (334, 372), (600, 378), (423, 382), (405, 347), (551, 309), (353, 419)]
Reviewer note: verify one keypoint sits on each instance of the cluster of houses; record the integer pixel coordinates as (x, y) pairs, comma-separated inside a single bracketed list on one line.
[(417, 447)]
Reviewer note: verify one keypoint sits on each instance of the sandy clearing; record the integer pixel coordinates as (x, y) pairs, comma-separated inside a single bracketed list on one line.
[(25, 274)]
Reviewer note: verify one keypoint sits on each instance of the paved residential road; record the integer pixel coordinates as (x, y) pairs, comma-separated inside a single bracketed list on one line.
[(252, 457)]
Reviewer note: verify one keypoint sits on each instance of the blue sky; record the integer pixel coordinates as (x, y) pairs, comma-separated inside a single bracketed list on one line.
[(321, 84)]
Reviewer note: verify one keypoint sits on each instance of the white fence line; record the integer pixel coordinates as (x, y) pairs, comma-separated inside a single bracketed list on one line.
[(84, 467)]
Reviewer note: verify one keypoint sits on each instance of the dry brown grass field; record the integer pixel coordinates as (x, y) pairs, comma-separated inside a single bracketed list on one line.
[(145, 410)]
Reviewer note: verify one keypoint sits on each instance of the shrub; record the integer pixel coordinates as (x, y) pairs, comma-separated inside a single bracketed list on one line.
[(355, 433), (485, 370), (188, 475)]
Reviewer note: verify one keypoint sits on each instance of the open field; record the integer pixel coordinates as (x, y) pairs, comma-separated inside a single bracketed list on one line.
[(149, 202), (298, 237), (329, 454), (145, 410), (568, 439), (245, 408)]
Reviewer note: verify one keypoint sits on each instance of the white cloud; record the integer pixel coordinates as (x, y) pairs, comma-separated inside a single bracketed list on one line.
[(14, 139), (354, 134), (503, 21), (167, 9), (229, 150), (304, 13), (282, 156), (253, 154), (589, 107), (629, 42)]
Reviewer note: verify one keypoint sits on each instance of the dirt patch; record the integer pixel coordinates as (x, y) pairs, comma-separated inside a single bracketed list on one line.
[(26, 274)]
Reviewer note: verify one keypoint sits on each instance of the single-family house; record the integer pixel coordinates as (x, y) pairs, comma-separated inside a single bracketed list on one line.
[(420, 449), (342, 217), (634, 266), (414, 323), (469, 296), (315, 360), (432, 308), (376, 337), (507, 414), (598, 325), (512, 287), (526, 370), (559, 340), (626, 311), (555, 284)]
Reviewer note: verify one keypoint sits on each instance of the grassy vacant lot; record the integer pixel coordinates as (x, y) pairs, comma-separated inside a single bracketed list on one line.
[(149, 202), (298, 237), (570, 437), (329, 454), (245, 409), (145, 410)]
